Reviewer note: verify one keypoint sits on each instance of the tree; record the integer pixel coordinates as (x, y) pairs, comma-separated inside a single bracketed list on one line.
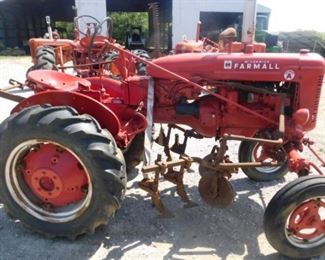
[(122, 21)]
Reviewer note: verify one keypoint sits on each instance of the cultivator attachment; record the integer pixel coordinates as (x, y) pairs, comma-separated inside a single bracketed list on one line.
[(216, 190), (166, 170), (216, 168)]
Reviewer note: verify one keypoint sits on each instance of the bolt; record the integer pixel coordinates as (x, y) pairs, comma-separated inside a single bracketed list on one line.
[(59, 149), (291, 232), (54, 160)]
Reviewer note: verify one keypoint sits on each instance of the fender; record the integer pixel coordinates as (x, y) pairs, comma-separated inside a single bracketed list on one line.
[(82, 103)]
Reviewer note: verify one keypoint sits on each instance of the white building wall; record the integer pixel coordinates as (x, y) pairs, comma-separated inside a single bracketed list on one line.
[(95, 8), (186, 14)]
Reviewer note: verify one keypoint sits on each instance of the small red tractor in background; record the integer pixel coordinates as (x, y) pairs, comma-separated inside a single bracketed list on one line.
[(88, 52), (63, 149), (227, 43)]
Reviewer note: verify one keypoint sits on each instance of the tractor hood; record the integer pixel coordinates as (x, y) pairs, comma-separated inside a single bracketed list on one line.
[(240, 66)]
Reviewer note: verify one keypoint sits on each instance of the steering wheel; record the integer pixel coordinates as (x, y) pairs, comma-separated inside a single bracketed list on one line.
[(94, 40), (87, 20), (209, 45), (109, 26)]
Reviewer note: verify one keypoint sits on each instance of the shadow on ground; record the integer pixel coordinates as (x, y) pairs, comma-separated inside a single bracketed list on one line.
[(201, 232)]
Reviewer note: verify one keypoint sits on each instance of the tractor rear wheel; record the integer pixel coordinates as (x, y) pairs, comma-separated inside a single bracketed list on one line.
[(45, 59), (255, 152), (60, 173), (294, 218)]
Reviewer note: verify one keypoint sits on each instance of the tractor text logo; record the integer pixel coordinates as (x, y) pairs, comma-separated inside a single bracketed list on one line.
[(250, 65)]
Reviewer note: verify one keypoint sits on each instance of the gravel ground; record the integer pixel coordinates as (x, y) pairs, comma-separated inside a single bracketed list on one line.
[(137, 233)]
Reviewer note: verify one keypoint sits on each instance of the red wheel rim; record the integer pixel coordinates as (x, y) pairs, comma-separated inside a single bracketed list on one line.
[(267, 153), (306, 223), (54, 175), (48, 180)]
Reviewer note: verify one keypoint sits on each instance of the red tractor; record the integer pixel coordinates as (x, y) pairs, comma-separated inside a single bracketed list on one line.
[(63, 149), (227, 42), (88, 52)]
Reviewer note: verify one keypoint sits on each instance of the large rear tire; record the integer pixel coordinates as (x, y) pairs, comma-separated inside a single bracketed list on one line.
[(294, 218), (60, 173), (45, 59)]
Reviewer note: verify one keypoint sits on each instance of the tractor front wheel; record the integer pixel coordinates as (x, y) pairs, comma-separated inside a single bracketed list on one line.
[(60, 173), (256, 152), (294, 219)]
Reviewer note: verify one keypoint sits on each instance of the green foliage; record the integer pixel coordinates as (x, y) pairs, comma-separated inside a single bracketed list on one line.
[(312, 40), (122, 21), (65, 29)]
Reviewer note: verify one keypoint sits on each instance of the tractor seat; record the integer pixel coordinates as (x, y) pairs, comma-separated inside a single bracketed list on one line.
[(55, 80)]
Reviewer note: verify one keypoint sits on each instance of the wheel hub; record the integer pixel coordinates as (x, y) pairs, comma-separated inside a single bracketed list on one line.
[(268, 153), (46, 184), (306, 223), (54, 175)]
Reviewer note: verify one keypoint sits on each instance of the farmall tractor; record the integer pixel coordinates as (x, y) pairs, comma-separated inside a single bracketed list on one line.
[(64, 150), (88, 54)]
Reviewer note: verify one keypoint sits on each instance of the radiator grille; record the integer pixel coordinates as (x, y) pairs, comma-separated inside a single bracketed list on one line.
[(317, 97)]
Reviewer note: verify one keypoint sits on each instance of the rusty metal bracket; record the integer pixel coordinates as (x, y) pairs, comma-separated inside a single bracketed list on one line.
[(6, 95), (307, 142), (13, 84), (177, 177), (253, 139), (151, 186), (165, 168)]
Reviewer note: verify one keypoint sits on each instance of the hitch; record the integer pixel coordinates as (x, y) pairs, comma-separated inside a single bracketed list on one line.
[(13, 84), (301, 165)]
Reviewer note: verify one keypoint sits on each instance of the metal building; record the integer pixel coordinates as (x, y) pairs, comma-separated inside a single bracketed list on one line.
[(23, 19)]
